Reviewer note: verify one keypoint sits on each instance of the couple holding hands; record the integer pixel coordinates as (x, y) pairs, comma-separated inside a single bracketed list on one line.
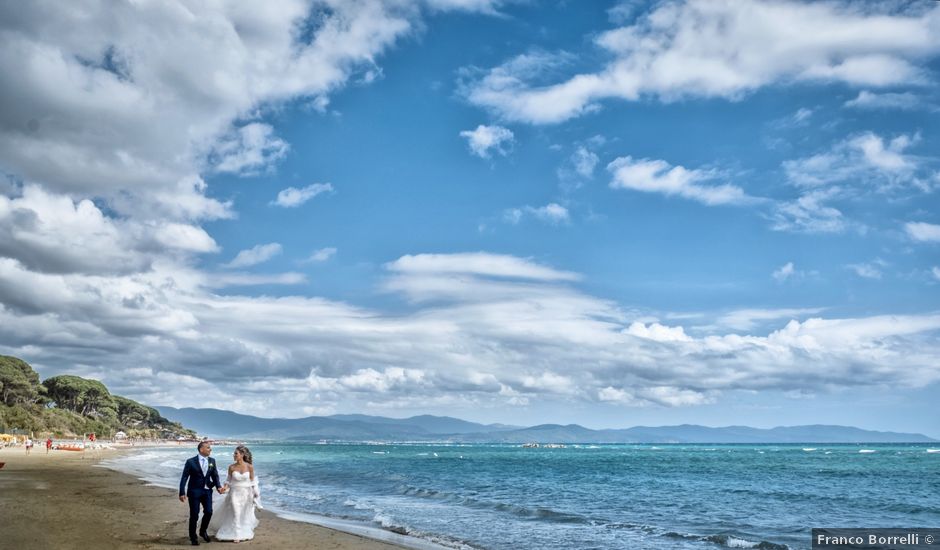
[(237, 512)]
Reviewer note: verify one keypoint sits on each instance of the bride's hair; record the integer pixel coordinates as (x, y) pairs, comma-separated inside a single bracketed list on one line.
[(246, 454)]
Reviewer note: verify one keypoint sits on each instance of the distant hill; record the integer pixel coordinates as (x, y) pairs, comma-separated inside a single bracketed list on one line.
[(356, 427), (346, 427)]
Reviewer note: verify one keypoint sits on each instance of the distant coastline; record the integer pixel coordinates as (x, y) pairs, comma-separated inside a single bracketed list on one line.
[(442, 429)]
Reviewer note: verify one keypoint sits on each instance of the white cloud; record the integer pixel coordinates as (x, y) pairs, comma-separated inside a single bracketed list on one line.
[(657, 332), (860, 164), (118, 110), (584, 162), (579, 167), (867, 270), (253, 279), (864, 157), (183, 237), (480, 6), (478, 263), (905, 101), (293, 197), (552, 213), (131, 103), (888, 157), (483, 330), (809, 214), (658, 176), (785, 272), (802, 114), (726, 49), (255, 255), (48, 232), (923, 232), (623, 11), (749, 319), (249, 150), (485, 139), (936, 273), (322, 255)]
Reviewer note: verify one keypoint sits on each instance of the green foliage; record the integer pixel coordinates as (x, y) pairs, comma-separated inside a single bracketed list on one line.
[(132, 414), (84, 396), (19, 383), (69, 405)]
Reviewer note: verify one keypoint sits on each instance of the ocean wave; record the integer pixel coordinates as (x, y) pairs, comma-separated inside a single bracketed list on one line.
[(280, 490), (519, 510), (728, 541), (360, 505)]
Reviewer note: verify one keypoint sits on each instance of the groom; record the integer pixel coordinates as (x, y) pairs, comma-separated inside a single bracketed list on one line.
[(202, 474)]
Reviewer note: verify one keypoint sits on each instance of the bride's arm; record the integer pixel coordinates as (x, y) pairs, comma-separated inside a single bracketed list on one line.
[(254, 481), (228, 475)]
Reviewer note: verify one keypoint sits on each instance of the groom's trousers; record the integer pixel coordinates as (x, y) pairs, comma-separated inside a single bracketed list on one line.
[(196, 498)]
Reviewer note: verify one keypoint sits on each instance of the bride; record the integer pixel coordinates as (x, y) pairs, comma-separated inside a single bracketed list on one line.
[(237, 514)]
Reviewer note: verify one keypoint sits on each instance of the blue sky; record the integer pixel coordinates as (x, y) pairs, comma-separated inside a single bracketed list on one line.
[(604, 213)]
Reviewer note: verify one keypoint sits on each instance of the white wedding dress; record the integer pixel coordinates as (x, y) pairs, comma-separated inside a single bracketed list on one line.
[(236, 514)]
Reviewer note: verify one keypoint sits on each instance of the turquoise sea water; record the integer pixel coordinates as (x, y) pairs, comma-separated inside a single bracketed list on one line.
[(593, 496)]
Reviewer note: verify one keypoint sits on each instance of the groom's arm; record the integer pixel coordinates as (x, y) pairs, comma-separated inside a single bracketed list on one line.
[(216, 479), (183, 482)]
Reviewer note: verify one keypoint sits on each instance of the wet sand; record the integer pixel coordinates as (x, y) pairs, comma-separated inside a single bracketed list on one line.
[(61, 500)]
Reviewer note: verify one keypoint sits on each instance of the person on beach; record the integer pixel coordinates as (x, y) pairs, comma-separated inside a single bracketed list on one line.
[(48, 445), (29, 445), (237, 521), (202, 476)]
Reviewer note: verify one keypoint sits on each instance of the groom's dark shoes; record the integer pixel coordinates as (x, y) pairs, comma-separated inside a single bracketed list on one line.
[(205, 536), (194, 542)]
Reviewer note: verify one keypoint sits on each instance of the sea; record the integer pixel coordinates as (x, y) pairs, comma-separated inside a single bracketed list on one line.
[(695, 497)]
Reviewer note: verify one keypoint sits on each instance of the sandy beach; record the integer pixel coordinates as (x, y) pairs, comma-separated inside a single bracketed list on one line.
[(60, 500)]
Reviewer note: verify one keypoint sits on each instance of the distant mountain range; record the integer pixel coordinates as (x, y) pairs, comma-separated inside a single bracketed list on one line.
[(357, 427)]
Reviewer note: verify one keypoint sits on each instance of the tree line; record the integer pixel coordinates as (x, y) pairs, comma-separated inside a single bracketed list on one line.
[(71, 405)]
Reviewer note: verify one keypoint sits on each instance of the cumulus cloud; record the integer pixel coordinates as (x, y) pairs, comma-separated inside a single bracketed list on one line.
[(51, 233), (552, 213), (726, 49), (293, 197), (129, 102), (658, 176), (485, 139), (482, 330), (112, 115), (923, 232), (255, 255)]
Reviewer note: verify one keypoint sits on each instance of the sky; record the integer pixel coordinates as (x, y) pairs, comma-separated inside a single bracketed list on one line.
[(606, 213)]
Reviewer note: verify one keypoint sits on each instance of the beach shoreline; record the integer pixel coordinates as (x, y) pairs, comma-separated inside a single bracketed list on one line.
[(61, 500)]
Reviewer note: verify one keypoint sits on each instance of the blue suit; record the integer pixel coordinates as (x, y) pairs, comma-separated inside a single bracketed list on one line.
[(199, 491)]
